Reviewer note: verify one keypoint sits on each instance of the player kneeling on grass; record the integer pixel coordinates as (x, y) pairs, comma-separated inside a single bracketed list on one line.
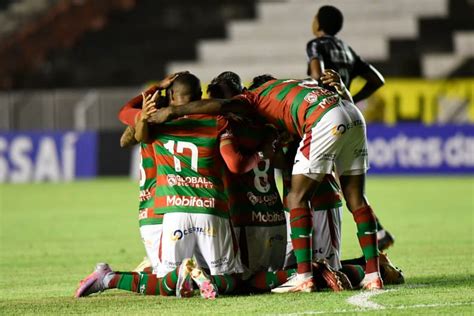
[(256, 207), (151, 224), (190, 193), (255, 204), (333, 136)]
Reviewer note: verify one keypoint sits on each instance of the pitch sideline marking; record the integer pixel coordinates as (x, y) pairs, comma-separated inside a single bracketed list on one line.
[(362, 299), (391, 307)]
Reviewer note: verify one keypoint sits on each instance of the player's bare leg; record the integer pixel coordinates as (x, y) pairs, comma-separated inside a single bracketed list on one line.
[(302, 189), (353, 187)]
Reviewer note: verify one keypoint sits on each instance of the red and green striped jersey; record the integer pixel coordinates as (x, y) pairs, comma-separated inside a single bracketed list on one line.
[(254, 198), (190, 170), (146, 215), (294, 105)]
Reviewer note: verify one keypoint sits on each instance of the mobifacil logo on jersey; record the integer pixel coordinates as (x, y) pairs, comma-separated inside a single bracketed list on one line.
[(267, 217), (195, 182), (190, 201)]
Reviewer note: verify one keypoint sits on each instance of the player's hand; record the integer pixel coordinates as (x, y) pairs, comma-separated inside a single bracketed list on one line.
[(160, 116), (333, 79), (148, 105), (165, 83)]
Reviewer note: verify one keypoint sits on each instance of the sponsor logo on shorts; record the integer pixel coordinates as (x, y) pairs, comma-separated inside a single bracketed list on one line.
[(276, 238), (190, 201), (194, 182), (326, 157), (269, 199), (220, 262), (181, 233), (145, 195), (267, 217), (342, 128), (171, 265)]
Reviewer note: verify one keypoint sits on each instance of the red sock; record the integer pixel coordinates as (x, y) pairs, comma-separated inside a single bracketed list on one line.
[(301, 222)]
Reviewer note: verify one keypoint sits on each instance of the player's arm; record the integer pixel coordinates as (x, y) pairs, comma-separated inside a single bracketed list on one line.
[(128, 137), (129, 113), (316, 63), (141, 125), (333, 79), (316, 68), (372, 76), (238, 105), (234, 159), (374, 80)]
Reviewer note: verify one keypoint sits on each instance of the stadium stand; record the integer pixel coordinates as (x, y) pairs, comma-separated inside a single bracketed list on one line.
[(110, 47), (397, 37), (77, 48)]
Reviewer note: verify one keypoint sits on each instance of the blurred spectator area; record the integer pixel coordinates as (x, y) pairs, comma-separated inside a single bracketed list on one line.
[(60, 58)]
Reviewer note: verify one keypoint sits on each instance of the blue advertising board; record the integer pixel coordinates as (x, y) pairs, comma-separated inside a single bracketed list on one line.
[(47, 156), (421, 149)]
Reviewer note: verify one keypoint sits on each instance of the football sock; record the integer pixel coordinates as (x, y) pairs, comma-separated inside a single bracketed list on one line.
[(142, 282), (225, 283), (168, 283), (268, 280), (366, 233), (355, 273), (379, 225), (356, 261), (301, 227)]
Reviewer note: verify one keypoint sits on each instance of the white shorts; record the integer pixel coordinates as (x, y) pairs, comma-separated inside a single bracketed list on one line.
[(263, 248), (337, 141), (151, 237), (208, 238), (326, 237)]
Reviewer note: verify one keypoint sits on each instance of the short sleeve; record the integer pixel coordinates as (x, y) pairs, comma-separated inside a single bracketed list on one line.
[(313, 50), (247, 96), (223, 127)]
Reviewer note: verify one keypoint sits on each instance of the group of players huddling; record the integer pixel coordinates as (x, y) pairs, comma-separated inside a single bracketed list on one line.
[(210, 213)]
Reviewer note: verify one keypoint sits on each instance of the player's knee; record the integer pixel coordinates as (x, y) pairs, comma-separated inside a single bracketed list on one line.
[(355, 203), (298, 196)]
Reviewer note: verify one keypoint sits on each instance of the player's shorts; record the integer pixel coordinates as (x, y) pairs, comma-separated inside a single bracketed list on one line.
[(326, 237), (208, 238), (262, 248), (151, 237), (337, 141)]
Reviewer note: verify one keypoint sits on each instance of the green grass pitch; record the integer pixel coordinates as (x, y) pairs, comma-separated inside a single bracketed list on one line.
[(52, 235)]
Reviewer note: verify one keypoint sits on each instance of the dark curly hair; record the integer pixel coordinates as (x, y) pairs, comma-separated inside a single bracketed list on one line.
[(330, 19)]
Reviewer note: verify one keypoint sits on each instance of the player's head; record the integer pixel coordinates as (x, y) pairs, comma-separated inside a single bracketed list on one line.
[(225, 86), (329, 19), (184, 89), (259, 80)]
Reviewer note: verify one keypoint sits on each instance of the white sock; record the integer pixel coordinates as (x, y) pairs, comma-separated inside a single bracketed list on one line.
[(371, 276), (108, 277), (381, 234), (305, 275)]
